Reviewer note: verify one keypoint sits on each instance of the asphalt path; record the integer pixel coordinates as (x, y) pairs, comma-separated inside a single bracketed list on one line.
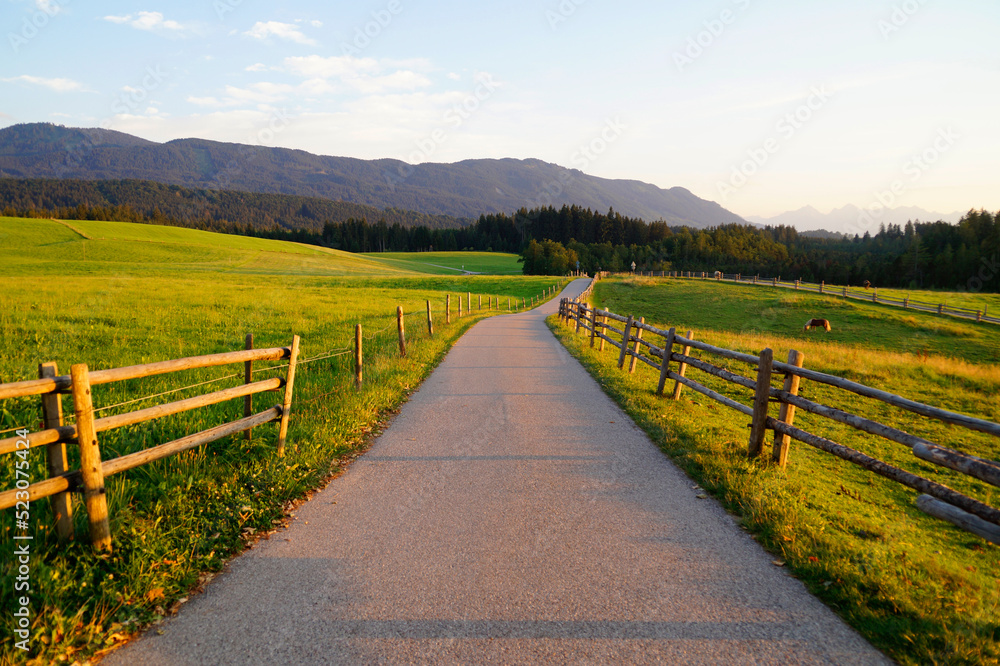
[(511, 513)]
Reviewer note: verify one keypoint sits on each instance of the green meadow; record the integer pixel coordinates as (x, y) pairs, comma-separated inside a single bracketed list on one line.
[(114, 294), (919, 589), (450, 263)]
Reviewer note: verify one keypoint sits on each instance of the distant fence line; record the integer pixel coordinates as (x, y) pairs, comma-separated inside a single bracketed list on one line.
[(90, 478), (858, 293), (936, 499)]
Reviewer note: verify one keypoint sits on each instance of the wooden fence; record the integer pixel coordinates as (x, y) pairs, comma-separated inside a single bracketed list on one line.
[(89, 479), (858, 293), (936, 499)]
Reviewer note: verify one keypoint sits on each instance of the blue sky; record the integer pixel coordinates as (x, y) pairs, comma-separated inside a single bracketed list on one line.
[(763, 106)]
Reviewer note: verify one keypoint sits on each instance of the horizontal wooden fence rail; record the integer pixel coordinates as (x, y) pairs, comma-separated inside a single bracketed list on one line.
[(857, 293), (936, 499), (89, 479)]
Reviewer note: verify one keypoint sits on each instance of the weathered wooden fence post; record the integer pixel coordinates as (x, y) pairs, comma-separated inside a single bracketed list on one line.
[(635, 352), (604, 330), (508, 304), (286, 403), (822, 285), (593, 326), (579, 306), (626, 338), (430, 321), (786, 413), (90, 459), (469, 295), (678, 387), (61, 503), (480, 301), (668, 346), (460, 306), (761, 400), (248, 379), (402, 334), (357, 356), (447, 308)]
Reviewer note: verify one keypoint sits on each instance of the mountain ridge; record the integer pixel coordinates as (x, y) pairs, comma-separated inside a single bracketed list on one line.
[(463, 189), (851, 219)]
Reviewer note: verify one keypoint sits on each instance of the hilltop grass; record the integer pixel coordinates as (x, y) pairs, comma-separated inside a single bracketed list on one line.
[(451, 263), (175, 522), (85, 247), (919, 589)]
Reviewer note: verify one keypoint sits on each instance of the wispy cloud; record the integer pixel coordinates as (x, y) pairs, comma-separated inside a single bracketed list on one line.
[(48, 6), (150, 21), (58, 85), (365, 75), (287, 31)]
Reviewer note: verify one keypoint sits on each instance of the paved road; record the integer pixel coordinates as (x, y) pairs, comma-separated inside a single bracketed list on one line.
[(510, 514)]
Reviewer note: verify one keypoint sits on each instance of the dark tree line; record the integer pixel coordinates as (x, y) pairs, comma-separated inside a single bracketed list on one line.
[(929, 255), (229, 211), (963, 256)]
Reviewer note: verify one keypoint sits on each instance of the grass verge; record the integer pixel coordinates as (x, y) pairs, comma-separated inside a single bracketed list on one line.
[(176, 522), (919, 589)]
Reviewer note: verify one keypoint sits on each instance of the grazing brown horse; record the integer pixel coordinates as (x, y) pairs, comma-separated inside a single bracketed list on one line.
[(817, 323), (868, 285)]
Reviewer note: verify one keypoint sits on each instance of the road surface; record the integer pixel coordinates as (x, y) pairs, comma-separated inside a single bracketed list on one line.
[(511, 513)]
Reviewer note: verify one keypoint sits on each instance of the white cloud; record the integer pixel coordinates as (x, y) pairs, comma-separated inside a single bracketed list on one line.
[(266, 29), (316, 24), (206, 101), (256, 67), (454, 77), (264, 92), (365, 75), (58, 85), (257, 93), (48, 6), (150, 21), (332, 67)]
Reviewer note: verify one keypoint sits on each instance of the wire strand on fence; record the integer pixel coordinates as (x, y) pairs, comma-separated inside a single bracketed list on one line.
[(160, 395), (331, 354)]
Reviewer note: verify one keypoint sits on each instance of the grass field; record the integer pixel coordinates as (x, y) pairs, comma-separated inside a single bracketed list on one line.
[(450, 263), (918, 588), (144, 293)]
